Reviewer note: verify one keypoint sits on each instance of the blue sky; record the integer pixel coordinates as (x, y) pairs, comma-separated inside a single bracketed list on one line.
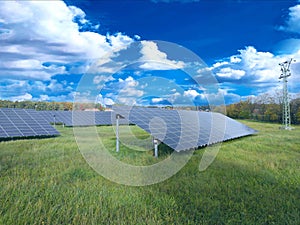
[(151, 52)]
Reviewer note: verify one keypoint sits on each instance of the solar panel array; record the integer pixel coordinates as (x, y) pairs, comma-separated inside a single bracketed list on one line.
[(55, 117), (81, 118), (179, 129), (182, 129), (24, 123)]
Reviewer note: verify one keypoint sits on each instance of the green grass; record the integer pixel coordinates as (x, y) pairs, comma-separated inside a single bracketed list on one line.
[(253, 180)]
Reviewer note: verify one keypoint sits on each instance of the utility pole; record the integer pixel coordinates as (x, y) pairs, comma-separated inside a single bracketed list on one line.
[(286, 112)]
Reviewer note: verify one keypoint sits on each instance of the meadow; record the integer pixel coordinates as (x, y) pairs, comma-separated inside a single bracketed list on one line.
[(253, 180)]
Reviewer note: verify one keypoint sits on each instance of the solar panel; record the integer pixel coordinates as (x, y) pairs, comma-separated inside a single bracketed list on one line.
[(182, 129), (81, 118), (23, 123), (64, 117)]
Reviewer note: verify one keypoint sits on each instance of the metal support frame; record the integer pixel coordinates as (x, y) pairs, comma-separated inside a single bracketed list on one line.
[(117, 133), (155, 142), (286, 111)]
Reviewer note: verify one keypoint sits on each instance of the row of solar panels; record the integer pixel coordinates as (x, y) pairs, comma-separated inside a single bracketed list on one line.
[(24, 123), (183, 130), (31, 123), (81, 118), (179, 129)]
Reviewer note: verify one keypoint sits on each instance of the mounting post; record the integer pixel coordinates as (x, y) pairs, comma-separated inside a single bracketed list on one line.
[(155, 142), (117, 133)]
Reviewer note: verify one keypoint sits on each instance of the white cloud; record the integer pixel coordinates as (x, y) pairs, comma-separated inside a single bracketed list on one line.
[(20, 98), (154, 59), (78, 13), (127, 100), (253, 59), (44, 98), (129, 89), (157, 100), (104, 101), (132, 92), (231, 73), (221, 97), (23, 64), (35, 32), (119, 40), (55, 86), (219, 64), (38, 85), (252, 64), (108, 101), (258, 69), (65, 98), (191, 93), (129, 82), (235, 59), (293, 22), (173, 97), (137, 37), (101, 78)]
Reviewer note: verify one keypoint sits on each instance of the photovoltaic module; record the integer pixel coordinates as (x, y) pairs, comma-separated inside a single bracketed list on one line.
[(182, 129), (24, 123)]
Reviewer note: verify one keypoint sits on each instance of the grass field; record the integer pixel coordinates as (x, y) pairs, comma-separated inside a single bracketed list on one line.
[(253, 180)]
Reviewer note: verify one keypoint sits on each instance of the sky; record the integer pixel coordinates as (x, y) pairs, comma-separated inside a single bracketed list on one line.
[(147, 52)]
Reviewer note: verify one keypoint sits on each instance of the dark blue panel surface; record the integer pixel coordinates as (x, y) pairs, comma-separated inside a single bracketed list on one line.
[(81, 118), (182, 129), (23, 123)]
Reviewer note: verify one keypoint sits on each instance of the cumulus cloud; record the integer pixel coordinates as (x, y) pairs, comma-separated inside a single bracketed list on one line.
[(153, 59), (231, 73), (108, 101), (42, 39), (43, 98), (250, 64), (191, 93), (55, 86), (129, 82), (261, 68), (21, 98), (137, 37), (10, 87), (157, 100), (221, 97), (104, 101), (129, 88), (35, 32), (218, 64), (257, 70), (235, 59), (102, 78), (293, 22)]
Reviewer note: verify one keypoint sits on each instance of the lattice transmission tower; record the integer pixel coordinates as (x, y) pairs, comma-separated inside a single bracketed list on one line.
[(286, 111)]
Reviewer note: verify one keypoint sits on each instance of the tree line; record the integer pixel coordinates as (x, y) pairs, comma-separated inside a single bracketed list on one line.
[(262, 108), (268, 110), (66, 106)]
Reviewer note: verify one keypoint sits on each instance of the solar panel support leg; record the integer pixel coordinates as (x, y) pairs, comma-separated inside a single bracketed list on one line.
[(155, 142), (117, 133)]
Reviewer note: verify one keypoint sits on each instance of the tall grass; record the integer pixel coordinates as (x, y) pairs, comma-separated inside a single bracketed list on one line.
[(254, 180)]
